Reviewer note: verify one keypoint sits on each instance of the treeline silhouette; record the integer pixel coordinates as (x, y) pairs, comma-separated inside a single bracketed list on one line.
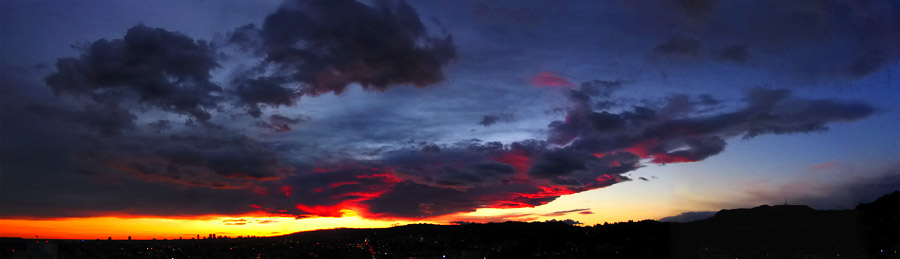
[(783, 231)]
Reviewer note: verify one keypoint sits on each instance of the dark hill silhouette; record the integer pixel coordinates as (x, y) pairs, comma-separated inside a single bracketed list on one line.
[(688, 216), (871, 230), (783, 231), (879, 222)]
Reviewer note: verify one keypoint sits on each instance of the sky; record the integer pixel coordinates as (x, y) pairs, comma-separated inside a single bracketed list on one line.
[(172, 119)]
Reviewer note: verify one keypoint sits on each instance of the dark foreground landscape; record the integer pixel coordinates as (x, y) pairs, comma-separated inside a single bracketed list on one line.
[(783, 231)]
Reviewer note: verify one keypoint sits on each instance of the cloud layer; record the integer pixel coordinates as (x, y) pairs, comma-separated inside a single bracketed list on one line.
[(139, 125), (160, 68), (327, 45)]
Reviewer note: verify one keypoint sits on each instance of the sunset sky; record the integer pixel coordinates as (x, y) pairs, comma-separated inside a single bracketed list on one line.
[(168, 119)]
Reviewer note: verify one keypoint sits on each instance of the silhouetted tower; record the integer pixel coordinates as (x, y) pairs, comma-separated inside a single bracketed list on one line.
[(129, 238), (108, 238)]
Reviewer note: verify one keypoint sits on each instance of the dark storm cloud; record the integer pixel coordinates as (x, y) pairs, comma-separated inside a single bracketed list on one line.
[(55, 168), (505, 13), (246, 38), (107, 121), (736, 54), (558, 163), (420, 182), (695, 8), (279, 123), (432, 181), (162, 68), (600, 88), (428, 180), (680, 47), (411, 200), (674, 133), (706, 99), (440, 181), (325, 191), (860, 38), (66, 161), (488, 120), (90, 158), (311, 50), (461, 166), (867, 64), (327, 45), (182, 157), (93, 138), (216, 161), (583, 170), (65, 171), (129, 197), (263, 91), (159, 126)]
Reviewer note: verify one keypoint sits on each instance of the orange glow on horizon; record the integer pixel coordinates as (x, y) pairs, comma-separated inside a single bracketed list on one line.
[(145, 228), (619, 203)]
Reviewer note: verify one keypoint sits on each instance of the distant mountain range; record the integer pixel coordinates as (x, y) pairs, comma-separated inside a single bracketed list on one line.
[(782, 231)]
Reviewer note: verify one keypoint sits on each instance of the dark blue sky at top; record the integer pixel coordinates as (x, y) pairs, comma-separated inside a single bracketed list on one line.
[(182, 108)]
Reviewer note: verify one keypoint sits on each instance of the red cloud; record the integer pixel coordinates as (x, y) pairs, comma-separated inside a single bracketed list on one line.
[(550, 79), (322, 210), (516, 158), (287, 190), (823, 165)]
